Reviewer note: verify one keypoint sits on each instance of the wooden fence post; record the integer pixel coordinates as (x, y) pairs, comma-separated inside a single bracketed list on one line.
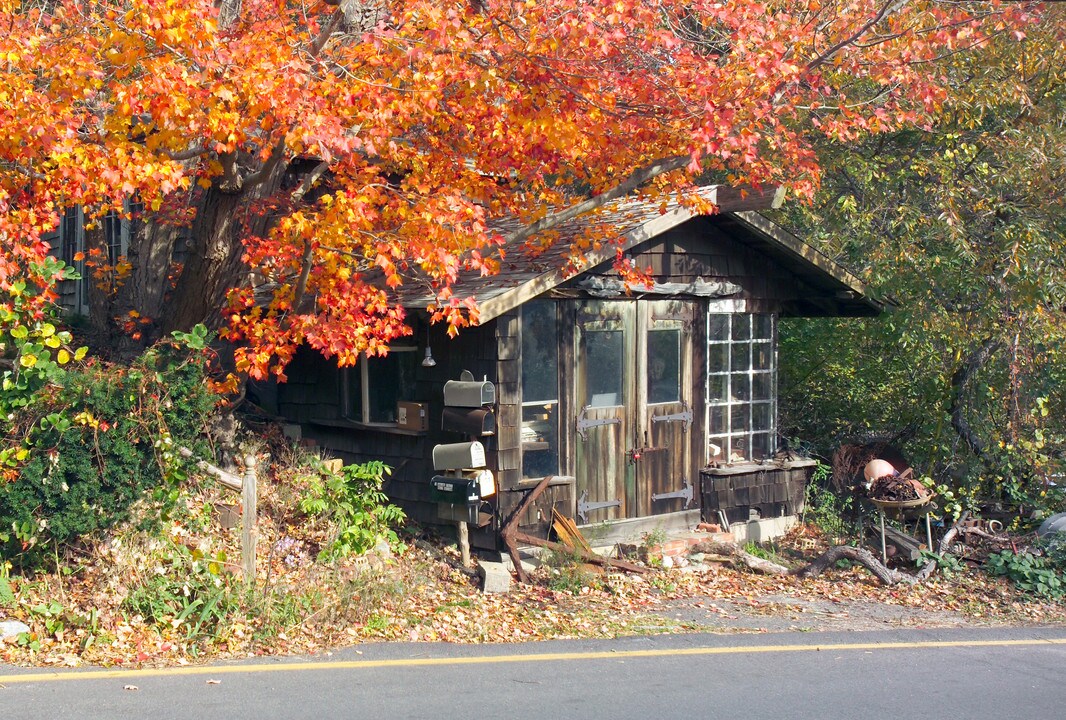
[(249, 524)]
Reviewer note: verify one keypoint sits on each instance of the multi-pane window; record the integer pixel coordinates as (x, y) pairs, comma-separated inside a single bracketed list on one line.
[(540, 390), (373, 388), (741, 387)]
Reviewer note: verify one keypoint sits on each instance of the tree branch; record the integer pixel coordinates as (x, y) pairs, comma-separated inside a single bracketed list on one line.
[(309, 182), (189, 153), (276, 156), (961, 380), (231, 182), (859, 555)]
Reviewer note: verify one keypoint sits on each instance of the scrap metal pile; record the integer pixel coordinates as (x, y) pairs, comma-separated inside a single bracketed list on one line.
[(887, 485)]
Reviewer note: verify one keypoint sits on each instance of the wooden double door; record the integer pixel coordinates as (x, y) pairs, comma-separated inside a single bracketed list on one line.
[(632, 408)]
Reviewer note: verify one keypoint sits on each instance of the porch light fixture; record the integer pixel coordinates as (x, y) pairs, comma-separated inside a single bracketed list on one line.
[(428, 360)]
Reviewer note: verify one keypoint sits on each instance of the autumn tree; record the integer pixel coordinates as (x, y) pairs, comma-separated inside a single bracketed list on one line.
[(959, 227), (280, 152)]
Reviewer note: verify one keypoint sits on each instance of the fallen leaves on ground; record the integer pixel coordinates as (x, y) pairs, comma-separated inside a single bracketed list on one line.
[(421, 597)]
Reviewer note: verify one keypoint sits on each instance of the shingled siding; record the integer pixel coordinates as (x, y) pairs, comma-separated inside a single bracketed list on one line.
[(313, 398), (700, 249), (771, 490)]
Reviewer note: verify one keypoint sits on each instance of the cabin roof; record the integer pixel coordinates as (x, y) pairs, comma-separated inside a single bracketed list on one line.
[(528, 271)]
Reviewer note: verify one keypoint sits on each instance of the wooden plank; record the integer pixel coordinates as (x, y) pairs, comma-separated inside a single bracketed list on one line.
[(509, 348), (509, 438), (507, 393), (509, 458), (507, 325), (568, 534)]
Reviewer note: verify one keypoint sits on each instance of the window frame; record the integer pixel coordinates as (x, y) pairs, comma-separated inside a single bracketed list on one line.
[(362, 366)]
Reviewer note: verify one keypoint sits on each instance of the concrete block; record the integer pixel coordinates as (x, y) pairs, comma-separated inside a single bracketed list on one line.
[(495, 577), (292, 431)]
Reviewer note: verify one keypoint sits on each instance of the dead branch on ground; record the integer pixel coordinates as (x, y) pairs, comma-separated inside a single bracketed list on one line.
[(737, 556), (883, 573)]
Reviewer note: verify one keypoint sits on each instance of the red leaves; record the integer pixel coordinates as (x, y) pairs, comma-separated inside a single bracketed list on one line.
[(437, 121)]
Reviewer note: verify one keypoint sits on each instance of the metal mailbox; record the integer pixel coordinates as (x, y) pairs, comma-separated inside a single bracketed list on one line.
[(468, 392), (470, 514), (457, 491), (458, 456), (469, 421), (486, 483)]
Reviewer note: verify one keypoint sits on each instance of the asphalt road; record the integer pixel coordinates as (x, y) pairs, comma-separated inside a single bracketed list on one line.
[(996, 674)]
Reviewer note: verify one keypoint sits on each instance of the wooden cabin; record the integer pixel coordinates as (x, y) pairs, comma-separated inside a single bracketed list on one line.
[(643, 403)]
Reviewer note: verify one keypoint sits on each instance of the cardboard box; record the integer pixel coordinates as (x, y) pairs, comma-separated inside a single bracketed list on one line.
[(412, 415)]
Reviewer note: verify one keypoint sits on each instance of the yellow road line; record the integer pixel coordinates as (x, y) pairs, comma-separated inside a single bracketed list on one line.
[(490, 659)]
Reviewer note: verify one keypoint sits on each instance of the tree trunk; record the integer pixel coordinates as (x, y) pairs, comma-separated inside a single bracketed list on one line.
[(740, 557), (212, 264), (144, 290)]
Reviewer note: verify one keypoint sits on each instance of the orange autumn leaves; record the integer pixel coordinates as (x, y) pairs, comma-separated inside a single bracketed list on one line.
[(417, 129)]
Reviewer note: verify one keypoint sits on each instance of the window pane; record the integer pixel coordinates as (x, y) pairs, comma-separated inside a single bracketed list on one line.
[(760, 446), (762, 327), (762, 383), (716, 448), (738, 417), (718, 327), (113, 236), (664, 366), (540, 353), (354, 407), (716, 419), (390, 379), (540, 440), (717, 358), (738, 448), (740, 388), (717, 388), (741, 359), (604, 367), (741, 327), (760, 416), (746, 375), (761, 355)]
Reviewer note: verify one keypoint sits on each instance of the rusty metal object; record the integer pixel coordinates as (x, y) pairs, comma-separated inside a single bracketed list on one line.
[(511, 536)]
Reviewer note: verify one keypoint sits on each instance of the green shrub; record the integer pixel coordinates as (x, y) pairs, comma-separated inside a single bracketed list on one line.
[(1035, 574), (826, 509), (354, 501), (95, 441), (569, 574)]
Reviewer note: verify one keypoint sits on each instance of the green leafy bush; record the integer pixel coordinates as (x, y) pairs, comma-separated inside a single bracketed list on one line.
[(826, 509), (569, 574), (1035, 574), (354, 501), (94, 441)]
